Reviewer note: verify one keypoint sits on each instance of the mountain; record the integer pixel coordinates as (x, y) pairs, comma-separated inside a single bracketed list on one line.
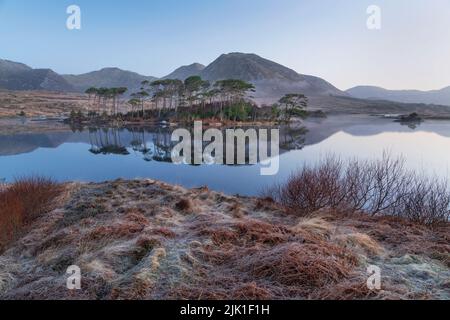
[(440, 97), (272, 80), (18, 76), (107, 77), (185, 72)]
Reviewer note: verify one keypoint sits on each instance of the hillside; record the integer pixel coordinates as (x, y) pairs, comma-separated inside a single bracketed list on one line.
[(39, 103), (349, 105), (108, 77), (439, 97)]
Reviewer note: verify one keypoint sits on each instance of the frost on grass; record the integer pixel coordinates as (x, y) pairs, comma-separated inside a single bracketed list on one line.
[(148, 240)]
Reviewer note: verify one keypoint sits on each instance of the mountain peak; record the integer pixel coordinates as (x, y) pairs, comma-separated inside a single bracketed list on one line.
[(184, 72), (11, 66), (272, 80), (248, 67), (197, 65), (108, 69), (240, 55)]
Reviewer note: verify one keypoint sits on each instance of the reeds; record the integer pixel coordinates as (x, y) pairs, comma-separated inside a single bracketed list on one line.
[(380, 187), (22, 202)]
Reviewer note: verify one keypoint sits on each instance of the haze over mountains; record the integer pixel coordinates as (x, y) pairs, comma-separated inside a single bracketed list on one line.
[(272, 80), (440, 97)]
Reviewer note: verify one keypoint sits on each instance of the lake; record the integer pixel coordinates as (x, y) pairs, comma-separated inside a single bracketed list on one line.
[(99, 154)]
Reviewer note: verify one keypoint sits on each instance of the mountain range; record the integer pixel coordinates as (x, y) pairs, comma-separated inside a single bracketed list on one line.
[(272, 80), (439, 97)]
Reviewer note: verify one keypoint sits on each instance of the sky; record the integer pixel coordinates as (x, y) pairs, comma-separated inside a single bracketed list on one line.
[(325, 38)]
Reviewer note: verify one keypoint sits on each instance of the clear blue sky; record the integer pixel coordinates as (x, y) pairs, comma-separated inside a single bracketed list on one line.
[(327, 38)]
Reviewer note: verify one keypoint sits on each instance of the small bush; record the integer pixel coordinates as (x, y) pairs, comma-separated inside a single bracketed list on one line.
[(22, 202)]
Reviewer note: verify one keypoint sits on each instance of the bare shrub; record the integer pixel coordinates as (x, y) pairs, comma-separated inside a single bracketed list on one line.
[(379, 187), (312, 188), (376, 186), (427, 201)]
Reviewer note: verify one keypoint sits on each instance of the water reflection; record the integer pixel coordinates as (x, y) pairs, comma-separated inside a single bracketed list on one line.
[(106, 141), (155, 143), (98, 154)]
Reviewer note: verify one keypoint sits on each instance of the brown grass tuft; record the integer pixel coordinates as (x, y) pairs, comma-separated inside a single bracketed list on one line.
[(251, 291), (156, 258), (120, 230), (262, 232), (357, 289), (306, 265), (362, 241), (346, 290), (248, 232), (137, 217), (147, 243), (185, 205), (315, 226), (165, 232)]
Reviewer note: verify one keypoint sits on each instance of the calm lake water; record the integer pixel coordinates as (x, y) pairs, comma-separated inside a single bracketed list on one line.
[(105, 154)]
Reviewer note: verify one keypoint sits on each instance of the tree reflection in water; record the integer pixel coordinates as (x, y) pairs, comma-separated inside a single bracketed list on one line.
[(154, 144), (106, 141)]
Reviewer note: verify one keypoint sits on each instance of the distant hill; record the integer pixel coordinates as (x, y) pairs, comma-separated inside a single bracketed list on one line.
[(18, 76), (272, 80), (439, 97), (185, 72), (107, 77)]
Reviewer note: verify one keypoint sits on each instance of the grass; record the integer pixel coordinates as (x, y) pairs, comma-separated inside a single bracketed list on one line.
[(213, 246), (22, 202)]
